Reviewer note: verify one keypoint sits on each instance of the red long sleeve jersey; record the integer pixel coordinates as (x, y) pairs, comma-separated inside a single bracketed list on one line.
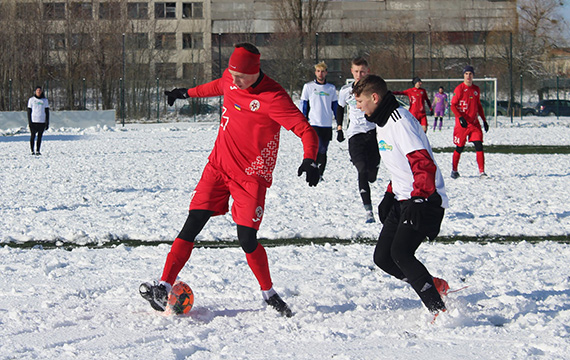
[(466, 102), (248, 138), (417, 98)]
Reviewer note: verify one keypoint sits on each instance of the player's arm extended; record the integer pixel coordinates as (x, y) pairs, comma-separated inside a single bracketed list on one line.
[(213, 88), (309, 138), (423, 170)]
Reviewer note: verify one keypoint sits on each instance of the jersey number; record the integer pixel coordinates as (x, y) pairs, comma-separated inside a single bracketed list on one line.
[(225, 119)]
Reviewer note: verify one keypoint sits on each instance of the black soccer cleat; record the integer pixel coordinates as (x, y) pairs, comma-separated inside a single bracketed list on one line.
[(156, 294), (278, 304)]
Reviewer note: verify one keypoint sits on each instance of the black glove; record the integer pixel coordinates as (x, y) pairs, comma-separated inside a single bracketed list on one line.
[(463, 122), (385, 206), (485, 126), (339, 136), (310, 167), (412, 211), (178, 93)]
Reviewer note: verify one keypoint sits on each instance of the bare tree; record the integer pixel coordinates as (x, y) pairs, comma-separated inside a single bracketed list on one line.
[(298, 22)]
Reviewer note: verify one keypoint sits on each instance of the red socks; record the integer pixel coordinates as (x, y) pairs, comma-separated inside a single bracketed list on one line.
[(481, 161), (257, 261), (176, 259), (455, 161)]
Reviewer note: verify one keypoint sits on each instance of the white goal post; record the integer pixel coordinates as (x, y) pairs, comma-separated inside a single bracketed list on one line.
[(449, 85)]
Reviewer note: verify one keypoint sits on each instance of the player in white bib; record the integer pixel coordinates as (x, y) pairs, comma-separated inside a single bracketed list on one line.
[(414, 203), (362, 145), (319, 105)]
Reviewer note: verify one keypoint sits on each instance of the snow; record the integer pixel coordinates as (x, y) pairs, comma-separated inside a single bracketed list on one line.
[(97, 185)]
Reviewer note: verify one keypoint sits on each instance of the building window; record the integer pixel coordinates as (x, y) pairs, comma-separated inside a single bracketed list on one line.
[(82, 11), (193, 10), (190, 71), (165, 41), (137, 11), (54, 11), (80, 41), (262, 39), (27, 11), (331, 39), (136, 41), (165, 70), (109, 10), (56, 41), (164, 10), (192, 41)]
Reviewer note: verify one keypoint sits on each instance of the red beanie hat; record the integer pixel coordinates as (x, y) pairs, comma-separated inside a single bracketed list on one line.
[(244, 62)]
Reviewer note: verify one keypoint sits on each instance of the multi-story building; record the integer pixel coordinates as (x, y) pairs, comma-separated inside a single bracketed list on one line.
[(187, 35)]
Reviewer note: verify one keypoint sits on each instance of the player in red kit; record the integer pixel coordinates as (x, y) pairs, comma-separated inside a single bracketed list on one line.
[(241, 166), (417, 96), (466, 105)]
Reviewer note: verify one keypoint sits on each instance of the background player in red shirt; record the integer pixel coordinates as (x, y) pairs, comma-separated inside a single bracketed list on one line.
[(417, 96), (241, 165), (466, 105)]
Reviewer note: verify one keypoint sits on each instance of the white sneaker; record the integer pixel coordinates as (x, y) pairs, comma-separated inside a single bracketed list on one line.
[(370, 217)]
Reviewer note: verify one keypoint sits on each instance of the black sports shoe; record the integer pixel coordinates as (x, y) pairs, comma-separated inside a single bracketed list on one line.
[(279, 305), (156, 294)]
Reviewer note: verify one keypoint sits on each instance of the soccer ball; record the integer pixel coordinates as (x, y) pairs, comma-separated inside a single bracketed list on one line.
[(181, 298)]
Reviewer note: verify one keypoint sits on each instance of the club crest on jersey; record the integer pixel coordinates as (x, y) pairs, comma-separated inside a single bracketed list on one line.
[(476, 93), (258, 214), (254, 105), (383, 146)]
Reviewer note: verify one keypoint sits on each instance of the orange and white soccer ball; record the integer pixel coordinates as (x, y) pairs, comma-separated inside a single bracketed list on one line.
[(181, 298)]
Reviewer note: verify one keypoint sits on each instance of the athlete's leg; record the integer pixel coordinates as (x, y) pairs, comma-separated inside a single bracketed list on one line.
[(372, 156), (255, 255), (456, 157), (183, 244), (480, 155), (33, 132), (440, 122), (406, 241), (382, 252), (41, 128)]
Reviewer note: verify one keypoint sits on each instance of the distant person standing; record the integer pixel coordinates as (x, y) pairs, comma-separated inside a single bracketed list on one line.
[(38, 118), (439, 106), (362, 143), (319, 103), (417, 96), (466, 105)]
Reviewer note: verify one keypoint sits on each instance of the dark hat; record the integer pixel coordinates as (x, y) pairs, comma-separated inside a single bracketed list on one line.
[(415, 80), (468, 68)]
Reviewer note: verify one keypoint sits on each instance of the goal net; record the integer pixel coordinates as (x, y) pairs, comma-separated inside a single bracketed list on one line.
[(488, 87)]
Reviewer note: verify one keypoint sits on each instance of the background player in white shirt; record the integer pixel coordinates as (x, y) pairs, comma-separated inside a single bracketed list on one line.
[(362, 145), (38, 118), (319, 105), (413, 206)]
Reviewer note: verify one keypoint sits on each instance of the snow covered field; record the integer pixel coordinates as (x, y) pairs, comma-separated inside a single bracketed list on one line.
[(96, 185)]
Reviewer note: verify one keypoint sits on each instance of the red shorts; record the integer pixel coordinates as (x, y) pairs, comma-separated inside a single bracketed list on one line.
[(213, 193), (422, 118), (471, 133)]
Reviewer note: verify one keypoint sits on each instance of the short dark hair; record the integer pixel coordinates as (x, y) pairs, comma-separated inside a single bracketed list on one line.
[(370, 84), (249, 47), (358, 61)]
